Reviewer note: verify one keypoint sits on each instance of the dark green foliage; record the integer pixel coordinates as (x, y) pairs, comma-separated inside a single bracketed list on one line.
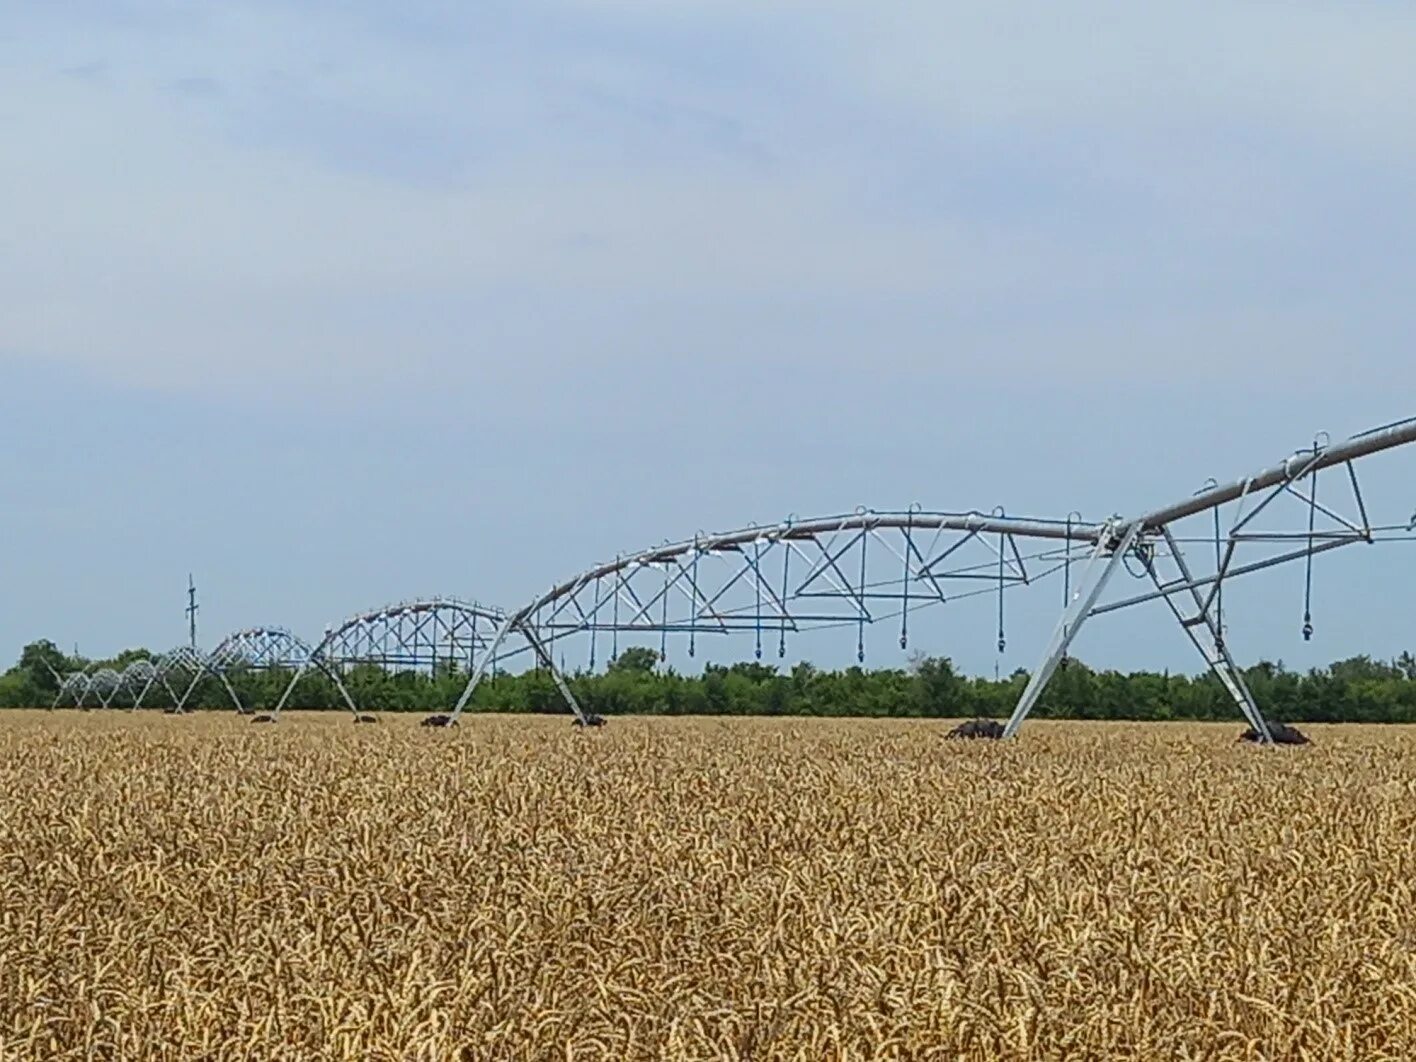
[(1356, 690), (44, 665), (637, 658)]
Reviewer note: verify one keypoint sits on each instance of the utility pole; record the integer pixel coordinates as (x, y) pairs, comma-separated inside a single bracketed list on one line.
[(192, 608)]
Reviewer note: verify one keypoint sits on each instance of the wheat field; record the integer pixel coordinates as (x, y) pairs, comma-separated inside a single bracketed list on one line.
[(694, 888)]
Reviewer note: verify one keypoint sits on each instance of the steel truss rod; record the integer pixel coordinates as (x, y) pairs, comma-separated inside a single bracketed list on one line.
[(104, 685), (1089, 588), (568, 615), (549, 664), (1165, 590), (157, 677), (1216, 654), (1278, 479), (1291, 468)]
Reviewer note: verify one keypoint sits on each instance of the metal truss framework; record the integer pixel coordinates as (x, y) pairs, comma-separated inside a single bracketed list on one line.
[(74, 689), (136, 680), (432, 636), (185, 665), (867, 568), (107, 687), (103, 686), (251, 649)]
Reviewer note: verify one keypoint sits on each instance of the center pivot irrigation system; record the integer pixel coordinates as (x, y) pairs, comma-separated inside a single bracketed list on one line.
[(868, 568), (855, 571), (430, 637)]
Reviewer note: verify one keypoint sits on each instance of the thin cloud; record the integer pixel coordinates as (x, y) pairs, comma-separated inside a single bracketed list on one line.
[(926, 181), (94, 72), (196, 87)]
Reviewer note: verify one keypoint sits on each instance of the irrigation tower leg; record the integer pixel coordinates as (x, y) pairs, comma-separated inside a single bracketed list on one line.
[(220, 677), (181, 706), (480, 670), (1089, 589), (1222, 664), (230, 692), (1216, 653), (490, 654), (300, 673), (289, 689), (550, 665), (138, 700)]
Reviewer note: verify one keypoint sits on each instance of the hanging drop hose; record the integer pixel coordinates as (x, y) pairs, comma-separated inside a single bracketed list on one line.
[(664, 619), (1212, 484), (595, 624), (786, 564), (860, 626), (1308, 564), (615, 632), (1002, 637), (757, 583), (1141, 556), (693, 615), (905, 610), (1072, 517)]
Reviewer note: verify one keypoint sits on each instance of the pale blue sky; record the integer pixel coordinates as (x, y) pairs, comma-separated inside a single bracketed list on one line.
[(334, 303)]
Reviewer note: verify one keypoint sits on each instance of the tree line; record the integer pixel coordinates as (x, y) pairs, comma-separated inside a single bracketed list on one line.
[(1359, 689)]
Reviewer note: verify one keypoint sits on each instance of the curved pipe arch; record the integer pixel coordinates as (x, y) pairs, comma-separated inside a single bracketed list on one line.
[(426, 633), (972, 524), (849, 570), (267, 648), (182, 660)]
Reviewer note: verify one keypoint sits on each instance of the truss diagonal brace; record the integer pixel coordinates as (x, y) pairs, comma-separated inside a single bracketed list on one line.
[(541, 651), (1217, 653), (1089, 589)]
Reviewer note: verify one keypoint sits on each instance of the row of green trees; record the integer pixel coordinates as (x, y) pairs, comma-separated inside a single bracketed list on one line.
[(1358, 689)]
